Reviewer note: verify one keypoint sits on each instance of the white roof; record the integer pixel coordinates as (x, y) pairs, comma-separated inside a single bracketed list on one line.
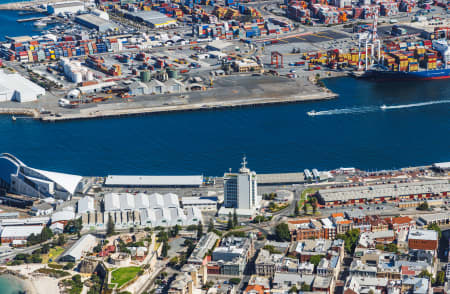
[(86, 204), (199, 200), (423, 235), (21, 231), (112, 180), (83, 245), (63, 215), (16, 82), (67, 181), (442, 165)]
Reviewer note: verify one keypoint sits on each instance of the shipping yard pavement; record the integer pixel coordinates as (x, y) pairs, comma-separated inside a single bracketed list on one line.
[(229, 91)]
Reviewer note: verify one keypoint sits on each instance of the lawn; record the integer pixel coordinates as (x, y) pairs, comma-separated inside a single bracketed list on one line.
[(123, 275), (52, 254)]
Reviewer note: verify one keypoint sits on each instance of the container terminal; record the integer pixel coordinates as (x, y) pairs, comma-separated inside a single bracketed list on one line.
[(135, 57)]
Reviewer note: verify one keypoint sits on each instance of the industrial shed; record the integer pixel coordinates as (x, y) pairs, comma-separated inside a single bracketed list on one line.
[(14, 87), (65, 7), (84, 245), (95, 22), (153, 181), (152, 18)]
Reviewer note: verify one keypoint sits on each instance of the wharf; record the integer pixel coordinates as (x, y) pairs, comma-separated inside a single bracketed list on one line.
[(102, 113), (30, 19)]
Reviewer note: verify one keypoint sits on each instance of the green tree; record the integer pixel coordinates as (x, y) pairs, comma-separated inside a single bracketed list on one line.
[(314, 204), (296, 209), (110, 227), (350, 239), (230, 222), (305, 287), (305, 208), (293, 289), (199, 230), (315, 259), (423, 206), (440, 278), (391, 247), (61, 240), (282, 232), (436, 228), (235, 218), (165, 249), (235, 281), (211, 225)]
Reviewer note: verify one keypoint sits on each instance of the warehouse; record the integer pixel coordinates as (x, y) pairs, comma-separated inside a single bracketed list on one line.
[(202, 203), (142, 210), (153, 181), (385, 192), (12, 233), (14, 87), (152, 18), (83, 246), (95, 22), (65, 7)]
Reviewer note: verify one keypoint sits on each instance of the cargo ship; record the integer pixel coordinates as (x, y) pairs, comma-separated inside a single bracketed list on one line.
[(430, 71), (380, 74)]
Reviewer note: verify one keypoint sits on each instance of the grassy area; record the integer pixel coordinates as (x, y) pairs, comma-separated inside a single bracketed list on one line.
[(123, 275), (52, 254)]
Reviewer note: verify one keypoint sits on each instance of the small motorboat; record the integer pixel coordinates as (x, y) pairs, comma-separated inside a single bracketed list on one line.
[(383, 107), (39, 24), (311, 113)]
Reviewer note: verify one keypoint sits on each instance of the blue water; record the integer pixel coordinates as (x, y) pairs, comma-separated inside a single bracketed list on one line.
[(277, 138), (10, 27), (10, 285)]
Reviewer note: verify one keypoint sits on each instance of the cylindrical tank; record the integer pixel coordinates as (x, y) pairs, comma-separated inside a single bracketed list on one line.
[(172, 73), (89, 76), (77, 77), (145, 76)]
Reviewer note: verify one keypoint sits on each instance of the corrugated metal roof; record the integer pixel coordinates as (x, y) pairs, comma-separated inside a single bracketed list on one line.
[(113, 180)]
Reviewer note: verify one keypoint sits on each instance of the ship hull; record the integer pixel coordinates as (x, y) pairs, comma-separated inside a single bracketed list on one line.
[(437, 74)]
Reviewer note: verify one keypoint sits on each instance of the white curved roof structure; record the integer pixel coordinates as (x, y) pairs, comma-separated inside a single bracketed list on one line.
[(67, 181), (19, 178)]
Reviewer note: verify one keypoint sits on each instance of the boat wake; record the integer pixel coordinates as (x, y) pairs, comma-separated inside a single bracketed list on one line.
[(416, 104), (356, 110), (343, 111)]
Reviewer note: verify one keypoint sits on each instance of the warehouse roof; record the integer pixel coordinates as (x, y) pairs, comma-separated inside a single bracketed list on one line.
[(16, 82), (83, 245), (96, 21), (385, 190), (434, 217), (423, 235), (442, 165), (281, 178), (152, 17), (112, 180), (66, 4), (21, 231), (86, 204)]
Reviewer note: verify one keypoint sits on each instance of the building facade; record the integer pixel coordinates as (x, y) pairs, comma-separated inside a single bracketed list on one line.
[(240, 189)]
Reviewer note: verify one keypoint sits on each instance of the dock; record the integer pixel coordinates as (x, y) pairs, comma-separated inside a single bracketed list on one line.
[(31, 19), (92, 113)]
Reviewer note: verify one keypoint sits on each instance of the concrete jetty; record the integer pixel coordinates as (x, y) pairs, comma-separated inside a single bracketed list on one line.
[(92, 113)]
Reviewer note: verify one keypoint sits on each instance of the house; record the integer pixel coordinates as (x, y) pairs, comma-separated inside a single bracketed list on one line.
[(423, 239), (57, 228)]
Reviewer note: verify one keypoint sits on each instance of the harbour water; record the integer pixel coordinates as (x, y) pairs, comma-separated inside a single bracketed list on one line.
[(10, 27), (11, 285), (412, 130)]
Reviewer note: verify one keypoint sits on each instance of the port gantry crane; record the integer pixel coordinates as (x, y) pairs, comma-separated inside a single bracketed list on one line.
[(369, 40)]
